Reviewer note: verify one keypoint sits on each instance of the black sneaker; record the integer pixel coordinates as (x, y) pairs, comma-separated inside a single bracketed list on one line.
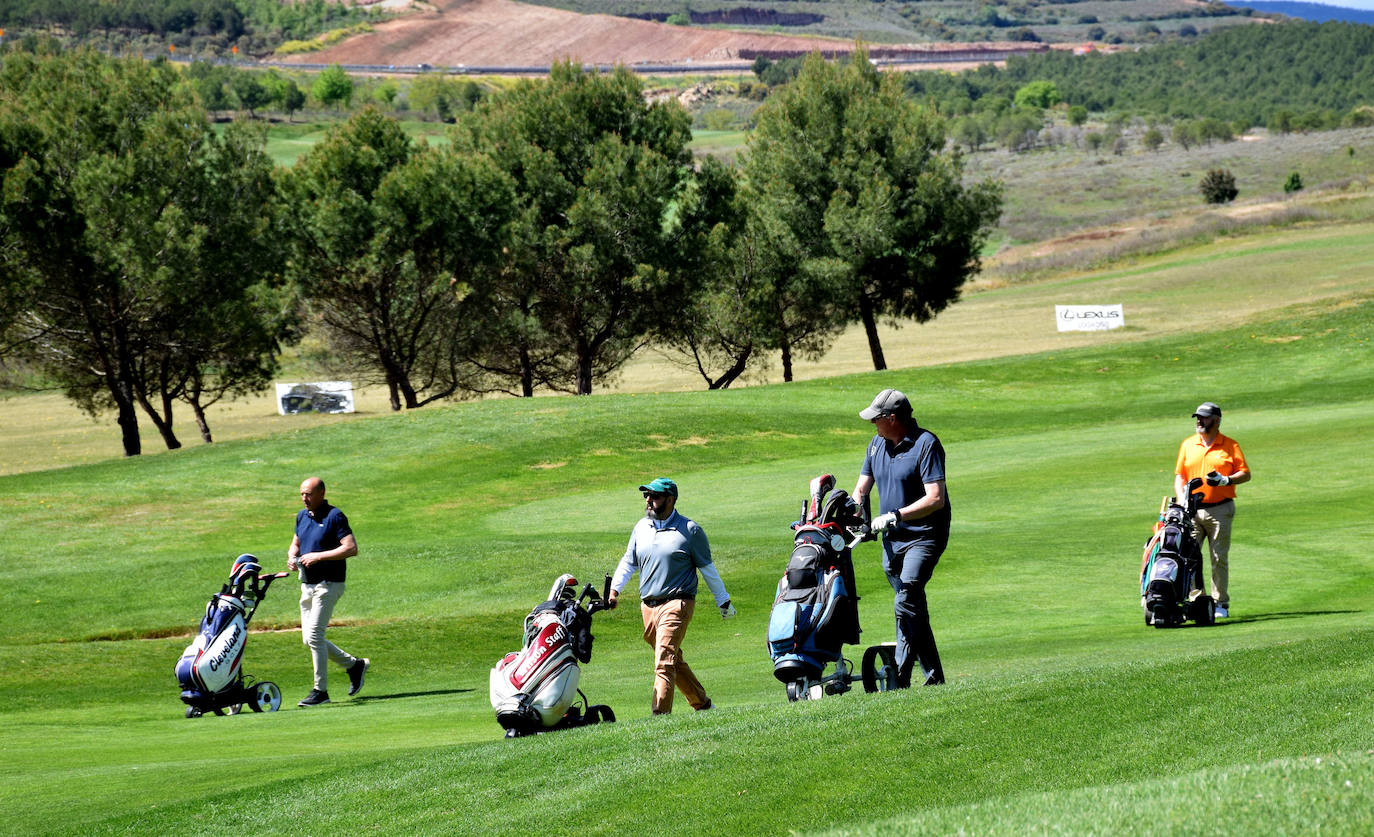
[(315, 698), (355, 675)]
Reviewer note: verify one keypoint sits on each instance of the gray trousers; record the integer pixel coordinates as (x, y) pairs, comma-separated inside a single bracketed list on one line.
[(907, 572)]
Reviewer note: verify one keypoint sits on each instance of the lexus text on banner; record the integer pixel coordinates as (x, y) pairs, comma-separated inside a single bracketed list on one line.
[(1088, 317)]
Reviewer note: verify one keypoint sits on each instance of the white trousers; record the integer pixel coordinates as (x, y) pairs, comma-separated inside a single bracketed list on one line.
[(317, 605)]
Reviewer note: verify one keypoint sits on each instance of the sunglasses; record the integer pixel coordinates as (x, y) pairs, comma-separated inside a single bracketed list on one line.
[(654, 495)]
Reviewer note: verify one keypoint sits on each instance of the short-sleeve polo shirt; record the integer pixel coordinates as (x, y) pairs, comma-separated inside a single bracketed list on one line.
[(319, 533), (1196, 458), (900, 472)]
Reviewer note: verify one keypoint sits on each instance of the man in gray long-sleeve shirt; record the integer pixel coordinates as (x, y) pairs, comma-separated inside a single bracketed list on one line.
[(667, 550)]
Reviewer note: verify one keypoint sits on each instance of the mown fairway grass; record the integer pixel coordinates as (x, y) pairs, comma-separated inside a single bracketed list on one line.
[(1064, 712)]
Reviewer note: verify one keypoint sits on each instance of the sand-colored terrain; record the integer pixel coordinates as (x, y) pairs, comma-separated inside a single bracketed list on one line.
[(503, 33)]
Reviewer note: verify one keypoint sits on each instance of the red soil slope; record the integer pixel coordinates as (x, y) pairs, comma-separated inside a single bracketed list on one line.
[(505, 33)]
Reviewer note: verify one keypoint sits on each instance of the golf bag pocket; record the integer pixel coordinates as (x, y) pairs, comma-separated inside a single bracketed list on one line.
[(1163, 578), (210, 664), (804, 621)]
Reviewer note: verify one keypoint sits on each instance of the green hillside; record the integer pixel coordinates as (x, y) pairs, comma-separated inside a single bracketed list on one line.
[(1064, 713)]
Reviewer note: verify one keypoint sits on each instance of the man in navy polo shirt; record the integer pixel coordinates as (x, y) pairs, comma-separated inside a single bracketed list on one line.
[(320, 550), (907, 464)]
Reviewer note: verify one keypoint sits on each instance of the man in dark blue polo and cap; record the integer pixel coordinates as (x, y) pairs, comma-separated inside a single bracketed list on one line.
[(667, 550), (906, 463)]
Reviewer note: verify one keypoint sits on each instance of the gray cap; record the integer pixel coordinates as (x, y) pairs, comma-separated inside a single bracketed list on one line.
[(1207, 410), (887, 401)]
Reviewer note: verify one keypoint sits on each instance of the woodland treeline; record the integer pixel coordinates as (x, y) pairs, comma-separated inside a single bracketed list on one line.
[(149, 261), (257, 26), (1292, 76)]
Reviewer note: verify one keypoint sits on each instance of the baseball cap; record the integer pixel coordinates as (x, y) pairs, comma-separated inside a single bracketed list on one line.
[(661, 485), (887, 401), (1207, 410)]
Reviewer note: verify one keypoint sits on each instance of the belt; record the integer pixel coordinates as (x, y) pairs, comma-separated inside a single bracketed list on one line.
[(1217, 503), (664, 600)]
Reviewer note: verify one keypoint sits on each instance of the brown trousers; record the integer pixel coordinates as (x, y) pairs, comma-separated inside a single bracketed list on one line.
[(664, 628)]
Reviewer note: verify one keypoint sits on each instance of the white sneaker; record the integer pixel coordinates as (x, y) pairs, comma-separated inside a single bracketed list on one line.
[(1220, 612)]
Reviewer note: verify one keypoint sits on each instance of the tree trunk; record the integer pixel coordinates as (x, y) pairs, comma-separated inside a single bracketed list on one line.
[(162, 423), (200, 421), (128, 426), (526, 372), (394, 393), (728, 377), (785, 344), (875, 347), (584, 373)]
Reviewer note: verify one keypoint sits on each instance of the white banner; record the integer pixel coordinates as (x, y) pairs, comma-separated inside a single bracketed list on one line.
[(1088, 317), (317, 397)]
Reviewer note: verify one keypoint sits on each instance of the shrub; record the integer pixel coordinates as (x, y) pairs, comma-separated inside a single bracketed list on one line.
[(718, 119), (1218, 186), (1292, 184)]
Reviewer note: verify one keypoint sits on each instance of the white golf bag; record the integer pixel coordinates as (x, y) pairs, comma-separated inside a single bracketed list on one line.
[(536, 688)]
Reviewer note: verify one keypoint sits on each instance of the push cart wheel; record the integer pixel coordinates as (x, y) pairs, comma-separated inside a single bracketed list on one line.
[(600, 713), (266, 697), (1203, 610), (233, 709), (192, 712), (796, 690), (880, 668)]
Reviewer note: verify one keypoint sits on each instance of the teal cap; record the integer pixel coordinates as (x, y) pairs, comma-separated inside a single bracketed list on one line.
[(661, 485)]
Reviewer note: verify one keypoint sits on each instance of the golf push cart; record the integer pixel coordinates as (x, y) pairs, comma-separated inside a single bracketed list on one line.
[(815, 611), (210, 670), (536, 689), (1171, 581)]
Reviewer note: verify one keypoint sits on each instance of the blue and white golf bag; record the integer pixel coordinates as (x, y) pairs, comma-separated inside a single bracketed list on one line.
[(213, 661), (210, 670), (815, 610)]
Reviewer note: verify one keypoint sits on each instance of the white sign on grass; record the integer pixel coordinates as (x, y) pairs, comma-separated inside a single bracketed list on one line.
[(1088, 317), (317, 397)]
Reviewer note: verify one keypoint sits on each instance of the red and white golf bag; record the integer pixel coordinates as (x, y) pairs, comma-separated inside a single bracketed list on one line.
[(536, 688)]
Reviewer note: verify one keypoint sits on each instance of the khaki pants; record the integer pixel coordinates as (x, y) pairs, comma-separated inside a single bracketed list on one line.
[(1214, 523), (317, 605), (664, 628)]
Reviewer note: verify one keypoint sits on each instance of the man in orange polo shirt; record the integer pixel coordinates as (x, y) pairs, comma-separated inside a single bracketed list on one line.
[(1217, 459)]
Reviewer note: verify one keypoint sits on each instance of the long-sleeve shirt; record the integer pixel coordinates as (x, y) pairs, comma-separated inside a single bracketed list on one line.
[(667, 554)]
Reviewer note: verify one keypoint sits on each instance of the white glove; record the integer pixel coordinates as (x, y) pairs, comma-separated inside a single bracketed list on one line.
[(727, 610), (885, 521), (1214, 478)]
